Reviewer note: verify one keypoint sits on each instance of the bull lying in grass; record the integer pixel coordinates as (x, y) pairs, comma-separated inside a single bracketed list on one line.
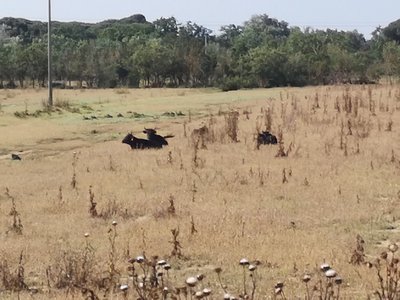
[(137, 143), (154, 141), (155, 138), (266, 138)]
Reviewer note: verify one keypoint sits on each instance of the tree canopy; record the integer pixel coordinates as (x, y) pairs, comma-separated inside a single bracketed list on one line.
[(262, 52)]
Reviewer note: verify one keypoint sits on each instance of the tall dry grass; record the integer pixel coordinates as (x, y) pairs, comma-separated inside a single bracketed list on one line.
[(90, 206)]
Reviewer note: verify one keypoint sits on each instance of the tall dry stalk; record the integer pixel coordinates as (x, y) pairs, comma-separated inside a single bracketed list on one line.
[(232, 126)]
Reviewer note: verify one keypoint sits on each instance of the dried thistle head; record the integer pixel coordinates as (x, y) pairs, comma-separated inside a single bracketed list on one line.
[(191, 281), (252, 268), (393, 247), (139, 259), (206, 291), (199, 295), (123, 287), (200, 277), (338, 280), (165, 291), (330, 273), (306, 278), (325, 267), (161, 263)]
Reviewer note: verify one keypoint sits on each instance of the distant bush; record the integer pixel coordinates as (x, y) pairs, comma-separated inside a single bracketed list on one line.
[(230, 84)]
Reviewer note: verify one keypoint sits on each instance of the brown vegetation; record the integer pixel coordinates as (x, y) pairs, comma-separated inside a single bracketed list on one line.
[(103, 221)]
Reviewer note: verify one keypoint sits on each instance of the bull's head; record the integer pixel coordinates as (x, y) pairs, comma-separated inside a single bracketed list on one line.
[(149, 130)]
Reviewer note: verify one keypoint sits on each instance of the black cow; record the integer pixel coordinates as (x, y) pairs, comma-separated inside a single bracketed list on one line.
[(155, 138), (266, 138), (136, 143), (15, 157)]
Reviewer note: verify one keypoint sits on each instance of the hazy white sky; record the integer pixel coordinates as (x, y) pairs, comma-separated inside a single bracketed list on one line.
[(363, 15)]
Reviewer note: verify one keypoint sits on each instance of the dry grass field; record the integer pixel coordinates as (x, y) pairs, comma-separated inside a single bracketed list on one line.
[(335, 182)]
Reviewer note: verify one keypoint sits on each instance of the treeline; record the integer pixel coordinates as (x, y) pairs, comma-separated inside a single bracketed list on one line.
[(132, 52)]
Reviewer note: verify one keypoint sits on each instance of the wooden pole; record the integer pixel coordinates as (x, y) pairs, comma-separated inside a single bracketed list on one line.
[(50, 101)]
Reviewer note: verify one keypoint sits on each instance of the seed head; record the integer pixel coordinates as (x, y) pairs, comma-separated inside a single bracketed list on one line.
[(165, 291), (384, 255), (191, 281), (252, 268), (393, 247), (206, 291), (338, 280), (330, 273), (87, 234), (139, 259), (161, 262), (114, 223), (279, 284), (244, 262), (218, 270), (306, 278), (199, 295), (325, 267), (131, 260), (200, 277), (167, 267), (123, 287)]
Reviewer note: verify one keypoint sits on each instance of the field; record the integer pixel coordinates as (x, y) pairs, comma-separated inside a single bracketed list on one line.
[(328, 193)]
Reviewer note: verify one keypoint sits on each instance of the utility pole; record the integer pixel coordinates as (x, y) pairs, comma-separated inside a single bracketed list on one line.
[(50, 101)]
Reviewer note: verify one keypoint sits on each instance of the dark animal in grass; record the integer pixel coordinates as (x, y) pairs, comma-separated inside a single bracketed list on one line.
[(137, 143), (266, 138), (15, 157), (155, 138)]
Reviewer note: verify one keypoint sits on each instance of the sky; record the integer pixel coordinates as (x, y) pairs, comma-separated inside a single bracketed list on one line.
[(361, 15)]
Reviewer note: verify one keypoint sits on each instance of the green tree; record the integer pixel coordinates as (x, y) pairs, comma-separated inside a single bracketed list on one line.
[(392, 31), (268, 65), (7, 62), (35, 58), (21, 63), (391, 58), (166, 27), (152, 61)]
